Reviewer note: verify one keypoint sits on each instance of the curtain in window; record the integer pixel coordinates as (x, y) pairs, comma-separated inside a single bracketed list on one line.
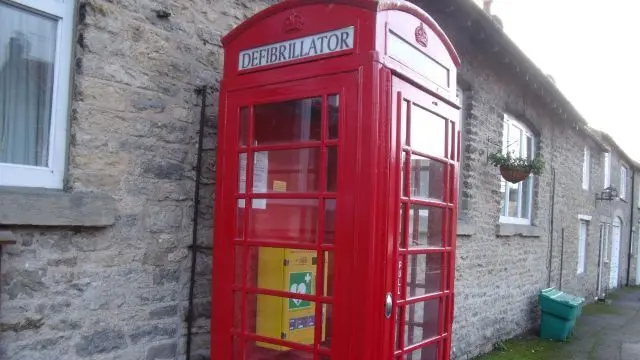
[(27, 51)]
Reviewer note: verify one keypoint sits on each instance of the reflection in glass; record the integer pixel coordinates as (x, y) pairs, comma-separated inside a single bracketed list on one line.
[(428, 132), (288, 121), (294, 220), (429, 352), (27, 56), (329, 221), (423, 274), (333, 116), (513, 199), (244, 126), (403, 225), (421, 321), (427, 178), (291, 170), (332, 169), (425, 226)]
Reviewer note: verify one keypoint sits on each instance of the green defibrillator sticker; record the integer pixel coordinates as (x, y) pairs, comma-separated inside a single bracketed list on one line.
[(301, 283)]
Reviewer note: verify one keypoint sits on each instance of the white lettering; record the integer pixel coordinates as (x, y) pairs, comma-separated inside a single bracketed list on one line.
[(309, 46)]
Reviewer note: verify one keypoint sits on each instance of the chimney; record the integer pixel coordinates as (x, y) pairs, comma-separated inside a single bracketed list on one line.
[(486, 6)]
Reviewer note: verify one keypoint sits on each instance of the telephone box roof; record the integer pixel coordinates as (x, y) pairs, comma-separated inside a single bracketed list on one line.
[(371, 5)]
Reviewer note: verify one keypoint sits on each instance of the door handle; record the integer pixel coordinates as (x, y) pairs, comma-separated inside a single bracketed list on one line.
[(388, 305)]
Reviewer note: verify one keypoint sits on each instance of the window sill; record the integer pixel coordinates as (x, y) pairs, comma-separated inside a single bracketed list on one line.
[(42, 207), (504, 230), (465, 229)]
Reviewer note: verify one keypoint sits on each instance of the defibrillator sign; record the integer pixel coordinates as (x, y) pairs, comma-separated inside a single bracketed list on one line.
[(301, 283), (305, 47)]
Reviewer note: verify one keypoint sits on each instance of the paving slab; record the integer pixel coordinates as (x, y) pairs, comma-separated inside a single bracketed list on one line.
[(608, 331)]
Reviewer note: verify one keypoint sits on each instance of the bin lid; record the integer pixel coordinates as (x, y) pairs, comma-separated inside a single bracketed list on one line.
[(562, 297)]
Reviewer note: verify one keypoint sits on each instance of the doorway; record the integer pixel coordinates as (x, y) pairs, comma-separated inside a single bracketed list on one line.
[(427, 144), (283, 242), (616, 233), (637, 239)]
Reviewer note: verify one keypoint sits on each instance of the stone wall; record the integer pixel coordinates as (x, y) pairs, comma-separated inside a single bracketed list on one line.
[(120, 291)]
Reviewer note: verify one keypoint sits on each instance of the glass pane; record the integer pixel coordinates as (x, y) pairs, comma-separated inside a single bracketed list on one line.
[(427, 178), (428, 132), (237, 310), (403, 224), (421, 321), (239, 265), (329, 221), (240, 220), (288, 121), (332, 169), (242, 175), (27, 53), (295, 170), (423, 274), (429, 352), (526, 197), (333, 116), (513, 144), (503, 198), (403, 177), (283, 269), (236, 348), (404, 116), (244, 126), (528, 148), (425, 226), (279, 318), (513, 200), (329, 273), (397, 335), (327, 314), (294, 220)]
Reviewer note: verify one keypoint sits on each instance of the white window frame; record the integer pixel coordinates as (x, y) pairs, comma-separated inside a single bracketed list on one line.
[(507, 122), (623, 182), (607, 169), (586, 168), (583, 234), (53, 175)]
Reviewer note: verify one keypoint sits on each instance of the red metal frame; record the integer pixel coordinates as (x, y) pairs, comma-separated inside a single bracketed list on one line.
[(371, 83)]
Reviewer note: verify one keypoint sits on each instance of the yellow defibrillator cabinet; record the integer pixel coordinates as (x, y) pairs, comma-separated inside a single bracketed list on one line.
[(288, 319)]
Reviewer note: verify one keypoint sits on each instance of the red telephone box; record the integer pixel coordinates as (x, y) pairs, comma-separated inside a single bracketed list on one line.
[(336, 194)]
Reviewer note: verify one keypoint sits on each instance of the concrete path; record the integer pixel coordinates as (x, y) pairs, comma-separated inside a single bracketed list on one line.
[(608, 331)]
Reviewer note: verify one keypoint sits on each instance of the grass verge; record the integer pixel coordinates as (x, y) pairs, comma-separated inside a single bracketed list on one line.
[(530, 348)]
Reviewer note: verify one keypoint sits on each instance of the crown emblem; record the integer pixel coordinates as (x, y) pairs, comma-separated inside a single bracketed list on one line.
[(293, 23), (421, 35)]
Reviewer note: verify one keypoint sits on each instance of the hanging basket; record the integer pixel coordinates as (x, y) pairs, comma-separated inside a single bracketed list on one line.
[(514, 175)]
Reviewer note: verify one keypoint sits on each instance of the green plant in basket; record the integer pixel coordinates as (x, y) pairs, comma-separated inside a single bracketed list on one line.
[(515, 168)]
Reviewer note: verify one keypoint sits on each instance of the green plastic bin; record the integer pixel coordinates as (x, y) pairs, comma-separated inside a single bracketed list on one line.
[(560, 304), (555, 328)]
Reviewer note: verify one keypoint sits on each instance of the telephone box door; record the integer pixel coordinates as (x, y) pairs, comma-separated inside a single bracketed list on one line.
[(426, 143), (282, 253)]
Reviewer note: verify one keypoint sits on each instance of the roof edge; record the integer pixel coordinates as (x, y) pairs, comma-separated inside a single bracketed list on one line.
[(549, 86)]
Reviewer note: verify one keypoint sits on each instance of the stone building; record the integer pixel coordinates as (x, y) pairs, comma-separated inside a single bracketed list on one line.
[(103, 213)]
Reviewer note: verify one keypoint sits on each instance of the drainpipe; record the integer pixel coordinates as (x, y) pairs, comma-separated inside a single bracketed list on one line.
[(631, 223), (561, 256), (553, 203), (600, 261)]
